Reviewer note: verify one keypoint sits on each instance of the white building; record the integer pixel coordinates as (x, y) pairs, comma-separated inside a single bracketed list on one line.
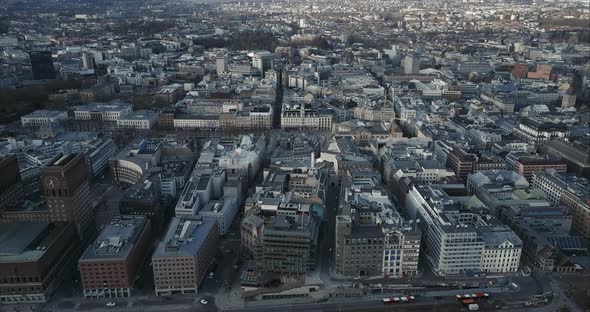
[(189, 202), (502, 250), (142, 119), (458, 240), (452, 247), (196, 122), (102, 111), (223, 211), (261, 117), (222, 63), (43, 119), (168, 185), (298, 117)]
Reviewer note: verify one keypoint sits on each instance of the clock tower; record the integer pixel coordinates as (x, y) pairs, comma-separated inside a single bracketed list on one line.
[(67, 190)]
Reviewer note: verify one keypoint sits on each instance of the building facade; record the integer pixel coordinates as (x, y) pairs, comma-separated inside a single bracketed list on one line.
[(109, 266), (66, 186), (182, 259), (33, 258), (11, 186)]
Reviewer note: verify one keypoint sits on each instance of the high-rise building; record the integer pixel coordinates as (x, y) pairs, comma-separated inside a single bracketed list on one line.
[(11, 187), (568, 101), (411, 64), (394, 54), (42, 65), (222, 63), (109, 266), (183, 258), (88, 60), (262, 61), (66, 185)]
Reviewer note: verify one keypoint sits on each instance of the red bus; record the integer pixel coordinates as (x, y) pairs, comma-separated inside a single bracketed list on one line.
[(463, 297), (391, 300)]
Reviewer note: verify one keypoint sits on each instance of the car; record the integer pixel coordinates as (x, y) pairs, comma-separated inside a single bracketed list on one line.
[(203, 301), (111, 304)]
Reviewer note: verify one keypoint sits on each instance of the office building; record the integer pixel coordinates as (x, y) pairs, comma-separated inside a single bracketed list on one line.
[(222, 63), (11, 185), (42, 65), (223, 211), (371, 237), (526, 165), (99, 152), (181, 261), (109, 266), (411, 64), (33, 258), (570, 191), (262, 61), (250, 233), (461, 162), (143, 199), (458, 240), (288, 244), (575, 154)]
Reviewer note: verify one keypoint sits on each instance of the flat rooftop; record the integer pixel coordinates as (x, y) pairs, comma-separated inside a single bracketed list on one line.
[(116, 239), (27, 242), (184, 237)]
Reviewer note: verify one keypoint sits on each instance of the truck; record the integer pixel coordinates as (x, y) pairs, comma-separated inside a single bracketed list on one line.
[(473, 307)]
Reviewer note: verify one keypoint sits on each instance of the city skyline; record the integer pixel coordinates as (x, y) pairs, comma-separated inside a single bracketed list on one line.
[(294, 155)]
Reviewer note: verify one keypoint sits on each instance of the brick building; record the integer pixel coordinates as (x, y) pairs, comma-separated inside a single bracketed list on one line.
[(109, 266)]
